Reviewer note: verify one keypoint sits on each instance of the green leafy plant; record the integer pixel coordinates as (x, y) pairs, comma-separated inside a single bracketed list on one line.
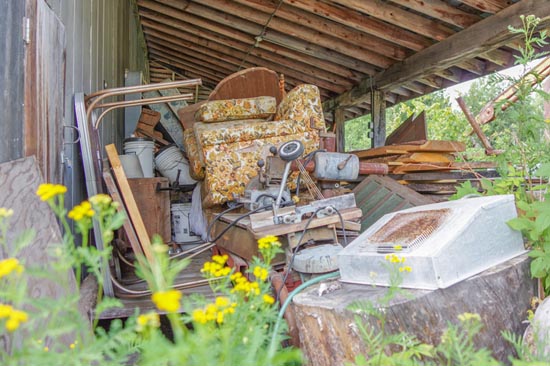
[(53, 331)]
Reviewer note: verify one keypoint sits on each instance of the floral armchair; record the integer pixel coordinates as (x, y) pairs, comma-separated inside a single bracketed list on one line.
[(230, 136)]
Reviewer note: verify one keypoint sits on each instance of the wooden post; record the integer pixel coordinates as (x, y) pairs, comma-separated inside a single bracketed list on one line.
[(378, 118), (339, 123)]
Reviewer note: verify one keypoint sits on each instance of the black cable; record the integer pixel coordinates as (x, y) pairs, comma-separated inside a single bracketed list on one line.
[(343, 226), (218, 216), (296, 251)]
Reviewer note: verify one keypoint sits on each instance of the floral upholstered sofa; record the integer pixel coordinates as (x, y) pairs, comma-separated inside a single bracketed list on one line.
[(230, 136)]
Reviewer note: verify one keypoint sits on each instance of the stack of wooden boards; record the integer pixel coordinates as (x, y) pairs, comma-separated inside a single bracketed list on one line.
[(414, 164)]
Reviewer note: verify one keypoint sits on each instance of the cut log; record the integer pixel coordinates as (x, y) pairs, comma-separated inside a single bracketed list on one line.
[(501, 296)]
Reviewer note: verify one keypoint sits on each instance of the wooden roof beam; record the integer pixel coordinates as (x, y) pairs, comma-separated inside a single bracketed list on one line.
[(279, 28), (335, 85), (236, 28), (441, 10), (487, 6), (329, 27), (400, 17), (196, 33), (490, 33), (232, 56), (368, 25)]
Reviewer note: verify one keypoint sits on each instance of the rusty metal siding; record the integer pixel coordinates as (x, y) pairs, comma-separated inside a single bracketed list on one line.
[(11, 79)]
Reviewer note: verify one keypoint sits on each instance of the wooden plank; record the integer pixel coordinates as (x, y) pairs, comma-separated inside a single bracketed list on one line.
[(458, 175), (443, 166), (412, 129), (127, 226), (426, 157), (347, 214), (428, 146), (153, 205), (129, 200), (44, 89)]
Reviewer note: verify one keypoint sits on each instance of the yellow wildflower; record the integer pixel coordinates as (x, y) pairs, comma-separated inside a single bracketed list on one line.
[(222, 301), (199, 316), (81, 211), (268, 241), (398, 247), (46, 349), (167, 300), (72, 346), (260, 273), (101, 200), (392, 258), (268, 299), (147, 320), (47, 191), (468, 317), (14, 317), (405, 269), (220, 259), (5, 212), (5, 311), (9, 265), (216, 268)]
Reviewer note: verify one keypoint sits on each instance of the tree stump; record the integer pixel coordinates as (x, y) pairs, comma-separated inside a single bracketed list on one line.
[(500, 295)]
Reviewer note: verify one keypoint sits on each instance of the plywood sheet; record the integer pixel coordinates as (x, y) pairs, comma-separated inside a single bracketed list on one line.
[(19, 180)]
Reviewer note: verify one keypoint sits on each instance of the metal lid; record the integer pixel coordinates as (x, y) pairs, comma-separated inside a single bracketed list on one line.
[(136, 139)]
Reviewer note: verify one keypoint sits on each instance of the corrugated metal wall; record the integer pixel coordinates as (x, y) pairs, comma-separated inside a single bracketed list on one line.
[(103, 41), (11, 79)]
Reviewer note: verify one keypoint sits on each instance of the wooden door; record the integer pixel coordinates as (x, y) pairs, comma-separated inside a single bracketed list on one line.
[(44, 88)]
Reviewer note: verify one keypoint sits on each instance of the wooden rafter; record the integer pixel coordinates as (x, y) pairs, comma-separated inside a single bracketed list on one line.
[(488, 34)]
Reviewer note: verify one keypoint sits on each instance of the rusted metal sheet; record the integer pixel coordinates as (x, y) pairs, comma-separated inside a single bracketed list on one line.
[(44, 89), (377, 196), (11, 78)]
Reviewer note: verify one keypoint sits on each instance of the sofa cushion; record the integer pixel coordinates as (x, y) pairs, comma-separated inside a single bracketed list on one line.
[(231, 166), (208, 134), (303, 105), (237, 109), (196, 166)]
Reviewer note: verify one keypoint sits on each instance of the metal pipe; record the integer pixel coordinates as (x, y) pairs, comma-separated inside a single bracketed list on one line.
[(130, 103), (133, 89)]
